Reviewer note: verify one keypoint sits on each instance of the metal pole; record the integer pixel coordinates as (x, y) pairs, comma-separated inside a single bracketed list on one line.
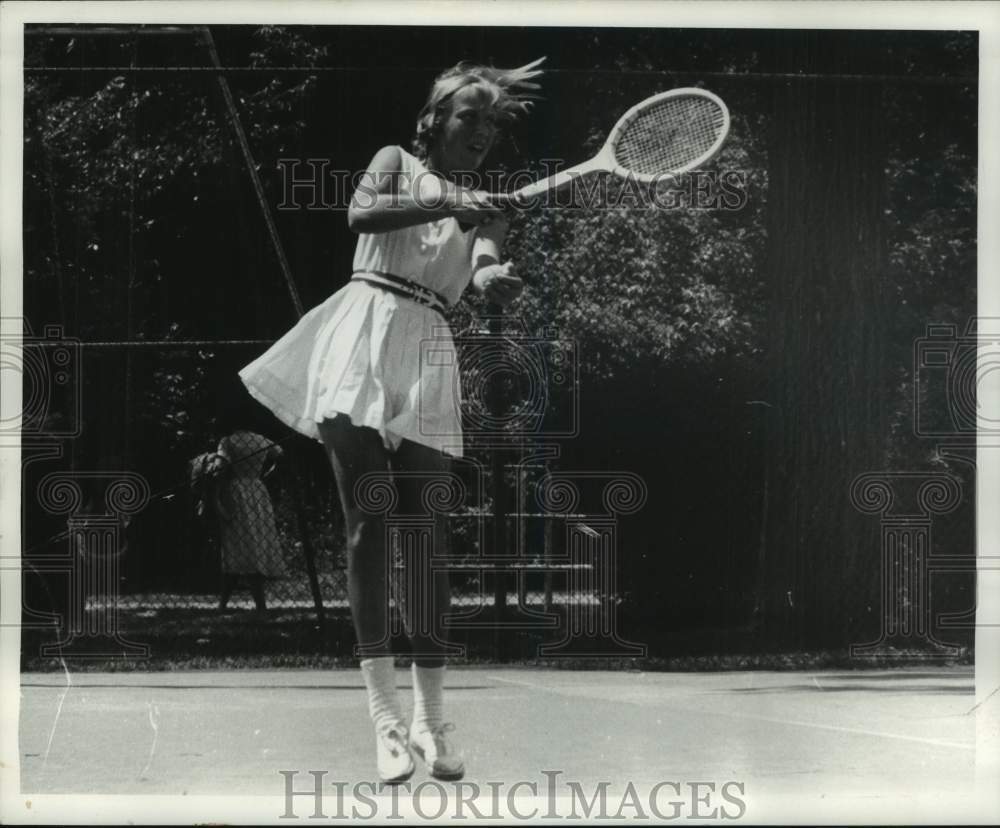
[(241, 139)]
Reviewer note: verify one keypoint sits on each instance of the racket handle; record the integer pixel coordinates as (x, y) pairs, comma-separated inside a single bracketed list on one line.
[(554, 182)]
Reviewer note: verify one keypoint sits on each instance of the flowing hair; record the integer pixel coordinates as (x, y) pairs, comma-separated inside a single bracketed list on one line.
[(511, 92)]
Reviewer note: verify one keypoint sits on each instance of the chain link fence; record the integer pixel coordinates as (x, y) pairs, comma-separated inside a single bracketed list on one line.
[(249, 531), (253, 532)]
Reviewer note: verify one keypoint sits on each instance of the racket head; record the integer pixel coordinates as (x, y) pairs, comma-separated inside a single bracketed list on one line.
[(668, 134)]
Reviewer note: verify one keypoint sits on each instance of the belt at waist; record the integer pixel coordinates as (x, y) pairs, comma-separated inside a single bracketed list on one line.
[(402, 287)]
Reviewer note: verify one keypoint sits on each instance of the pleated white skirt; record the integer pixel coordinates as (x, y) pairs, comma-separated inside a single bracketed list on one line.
[(385, 361)]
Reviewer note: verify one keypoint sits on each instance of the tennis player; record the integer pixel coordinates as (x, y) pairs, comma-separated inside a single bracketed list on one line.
[(349, 373)]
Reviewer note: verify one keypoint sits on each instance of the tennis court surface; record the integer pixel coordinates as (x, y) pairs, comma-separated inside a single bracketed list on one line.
[(830, 735)]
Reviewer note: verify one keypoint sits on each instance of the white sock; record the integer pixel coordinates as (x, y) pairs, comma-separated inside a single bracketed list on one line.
[(380, 679), (428, 697)]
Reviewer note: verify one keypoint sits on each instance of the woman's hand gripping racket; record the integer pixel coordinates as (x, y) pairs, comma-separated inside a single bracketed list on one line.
[(659, 138)]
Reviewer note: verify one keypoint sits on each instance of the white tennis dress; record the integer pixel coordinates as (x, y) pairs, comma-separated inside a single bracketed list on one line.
[(385, 360)]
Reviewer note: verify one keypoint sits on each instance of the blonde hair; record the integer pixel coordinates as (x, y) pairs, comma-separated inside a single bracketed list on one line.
[(510, 91)]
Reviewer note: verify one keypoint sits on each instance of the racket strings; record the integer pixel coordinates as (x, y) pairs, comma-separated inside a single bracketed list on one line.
[(669, 135)]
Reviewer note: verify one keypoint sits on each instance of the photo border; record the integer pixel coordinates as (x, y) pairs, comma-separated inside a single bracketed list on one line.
[(932, 15)]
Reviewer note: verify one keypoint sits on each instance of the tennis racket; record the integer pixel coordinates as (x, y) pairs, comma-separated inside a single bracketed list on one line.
[(661, 137)]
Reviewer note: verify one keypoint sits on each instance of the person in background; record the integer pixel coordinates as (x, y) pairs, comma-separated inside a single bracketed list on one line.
[(230, 482)]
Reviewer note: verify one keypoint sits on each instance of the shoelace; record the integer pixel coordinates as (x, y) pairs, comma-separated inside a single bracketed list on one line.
[(438, 734), (394, 740)]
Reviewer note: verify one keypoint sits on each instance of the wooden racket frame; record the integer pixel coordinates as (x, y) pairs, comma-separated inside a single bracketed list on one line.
[(605, 160)]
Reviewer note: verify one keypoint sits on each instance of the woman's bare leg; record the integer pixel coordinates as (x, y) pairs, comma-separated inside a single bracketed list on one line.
[(353, 452), (424, 610), (428, 640)]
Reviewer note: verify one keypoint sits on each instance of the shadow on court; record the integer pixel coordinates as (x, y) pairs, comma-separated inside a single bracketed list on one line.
[(829, 733)]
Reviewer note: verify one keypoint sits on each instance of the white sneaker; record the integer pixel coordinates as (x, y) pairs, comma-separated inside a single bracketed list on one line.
[(433, 748), (392, 754)]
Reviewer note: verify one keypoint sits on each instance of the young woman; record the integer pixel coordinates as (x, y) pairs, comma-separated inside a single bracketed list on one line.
[(351, 375)]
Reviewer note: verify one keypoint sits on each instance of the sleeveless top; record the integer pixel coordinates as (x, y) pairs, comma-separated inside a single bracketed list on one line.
[(437, 255)]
